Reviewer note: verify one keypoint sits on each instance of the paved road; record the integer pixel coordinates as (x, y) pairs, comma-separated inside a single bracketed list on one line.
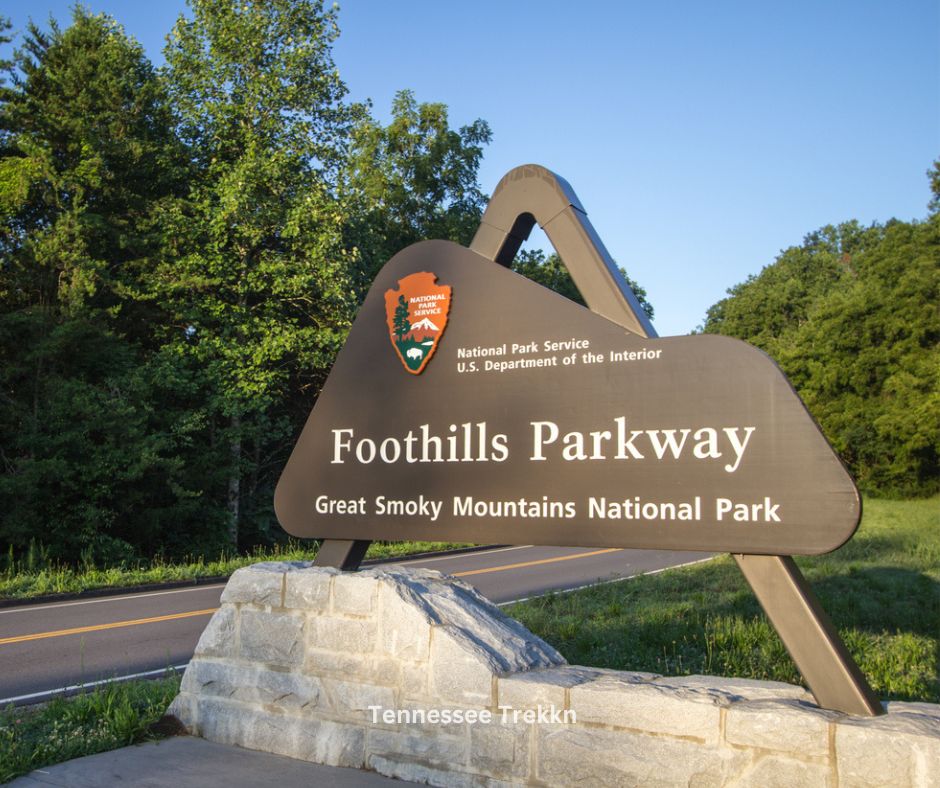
[(46, 647)]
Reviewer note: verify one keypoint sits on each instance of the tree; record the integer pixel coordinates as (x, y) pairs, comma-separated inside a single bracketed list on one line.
[(933, 174), (766, 308), (92, 457), (867, 362), (261, 294), (401, 321), (88, 152), (551, 272), (851, 317), (412, 180)]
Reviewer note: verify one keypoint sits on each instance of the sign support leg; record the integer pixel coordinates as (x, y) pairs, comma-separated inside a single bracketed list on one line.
[(808, 634), (345, 554), (531, 194)]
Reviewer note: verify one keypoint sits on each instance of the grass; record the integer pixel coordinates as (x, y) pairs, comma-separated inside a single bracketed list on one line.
[(35, 577), (882, 591), (108, 717)]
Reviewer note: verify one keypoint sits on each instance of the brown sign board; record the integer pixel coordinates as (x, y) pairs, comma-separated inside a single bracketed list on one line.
[(471, 404)]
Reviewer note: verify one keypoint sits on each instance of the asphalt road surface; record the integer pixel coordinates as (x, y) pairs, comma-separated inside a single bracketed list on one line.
[(46, 648)]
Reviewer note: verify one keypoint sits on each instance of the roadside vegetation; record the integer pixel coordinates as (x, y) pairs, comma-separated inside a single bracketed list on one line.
[(882, 590), (36, 575), (108, 717)]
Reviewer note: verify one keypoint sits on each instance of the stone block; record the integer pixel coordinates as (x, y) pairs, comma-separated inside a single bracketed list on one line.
[(309, 589), (320, 741), (354, 593), (546, 687), (440, 750), (218, 638), (332, 743), (900, 708), (403, 769), (252, 684), (414, 679), (785, 725), (899, 748), (352, 699), (184, 708), (259, 584), (481, 627), (777, 771), (271, 638), (458, 674), (500, 751), (405, 630), (350, 635), (325, 662), (432, 719), (366, 667), (745, 689), (385, 671), (630, 701), (573, 755)]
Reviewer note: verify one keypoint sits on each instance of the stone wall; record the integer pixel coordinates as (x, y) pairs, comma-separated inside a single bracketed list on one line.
[(296, 656)]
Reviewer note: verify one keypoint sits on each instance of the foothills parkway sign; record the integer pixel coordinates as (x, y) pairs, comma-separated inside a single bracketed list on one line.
[(537, 421), (471, 404)]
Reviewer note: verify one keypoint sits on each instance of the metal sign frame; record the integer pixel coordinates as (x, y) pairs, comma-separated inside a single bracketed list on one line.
[(532, 194)]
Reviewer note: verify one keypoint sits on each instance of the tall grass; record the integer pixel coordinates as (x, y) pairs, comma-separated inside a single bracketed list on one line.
[(108, 717), (34, 575)]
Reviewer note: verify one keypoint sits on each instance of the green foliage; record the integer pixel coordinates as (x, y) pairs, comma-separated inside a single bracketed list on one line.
[(934, 175), (550, 272), (851, 317), (179, 266), (412, 180), (93, 454), (94, 464), (105, 718), (882, 590), (260, 295), (87, 155)]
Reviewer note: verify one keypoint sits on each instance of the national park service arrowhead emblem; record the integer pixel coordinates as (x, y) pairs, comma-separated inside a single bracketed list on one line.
[(416, 314)]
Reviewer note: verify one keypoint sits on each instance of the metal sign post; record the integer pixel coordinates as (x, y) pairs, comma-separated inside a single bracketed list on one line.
[(538, 396)]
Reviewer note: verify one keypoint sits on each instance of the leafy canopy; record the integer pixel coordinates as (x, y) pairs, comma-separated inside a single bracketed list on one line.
[(851, 317)]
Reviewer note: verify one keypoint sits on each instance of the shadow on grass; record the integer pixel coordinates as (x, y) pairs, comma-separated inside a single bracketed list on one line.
[(882, 599), (708, 621)]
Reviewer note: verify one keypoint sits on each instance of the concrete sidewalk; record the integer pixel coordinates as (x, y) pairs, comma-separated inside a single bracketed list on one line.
[(188, 762)]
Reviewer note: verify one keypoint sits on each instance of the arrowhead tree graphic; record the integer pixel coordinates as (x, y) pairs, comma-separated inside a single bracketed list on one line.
[(417, 298)]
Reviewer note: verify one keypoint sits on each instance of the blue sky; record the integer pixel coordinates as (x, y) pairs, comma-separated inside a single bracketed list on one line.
[(702, 138)]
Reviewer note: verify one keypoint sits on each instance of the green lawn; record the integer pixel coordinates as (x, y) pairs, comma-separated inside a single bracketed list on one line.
[(882, 591)]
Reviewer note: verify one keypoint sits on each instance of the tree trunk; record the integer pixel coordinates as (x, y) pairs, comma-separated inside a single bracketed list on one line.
[(234, 479)]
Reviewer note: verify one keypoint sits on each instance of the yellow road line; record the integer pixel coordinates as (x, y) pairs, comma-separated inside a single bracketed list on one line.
[(534, 563), (209, 611), (113, 625)]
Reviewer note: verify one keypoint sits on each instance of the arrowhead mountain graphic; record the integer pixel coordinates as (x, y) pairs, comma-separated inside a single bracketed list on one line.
[(424, 325)]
